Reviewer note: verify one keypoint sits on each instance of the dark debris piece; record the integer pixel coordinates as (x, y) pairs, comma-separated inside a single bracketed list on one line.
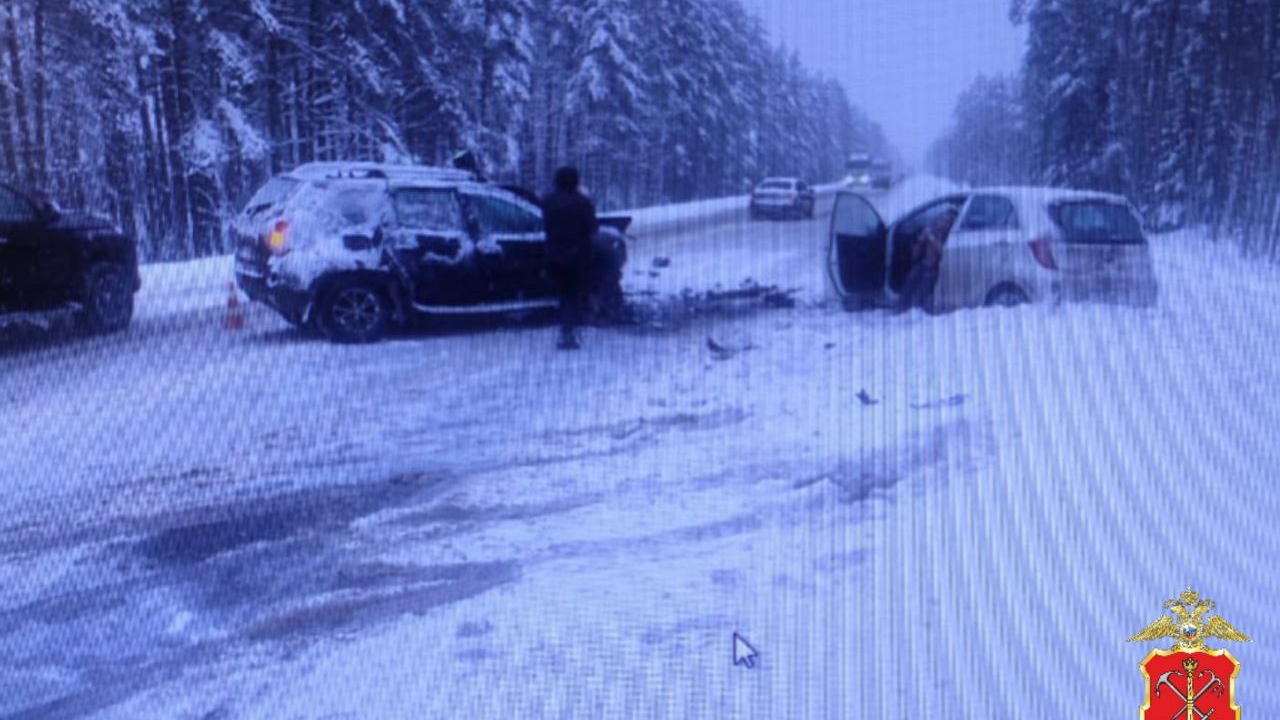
[(953, 401)]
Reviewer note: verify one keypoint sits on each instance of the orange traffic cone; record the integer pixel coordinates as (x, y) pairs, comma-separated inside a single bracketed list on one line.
[(235, 314)]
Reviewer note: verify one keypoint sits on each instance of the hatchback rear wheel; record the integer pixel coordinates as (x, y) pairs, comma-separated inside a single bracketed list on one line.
[(1006, 296)]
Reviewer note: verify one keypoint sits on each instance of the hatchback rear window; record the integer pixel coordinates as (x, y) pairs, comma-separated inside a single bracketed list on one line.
[(1098, 223)]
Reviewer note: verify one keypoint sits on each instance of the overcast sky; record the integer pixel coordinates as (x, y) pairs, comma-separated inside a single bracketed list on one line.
[(903, 61)]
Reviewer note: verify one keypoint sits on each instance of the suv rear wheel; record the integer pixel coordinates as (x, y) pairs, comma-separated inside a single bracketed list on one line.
[(354, 311), (108, 301)]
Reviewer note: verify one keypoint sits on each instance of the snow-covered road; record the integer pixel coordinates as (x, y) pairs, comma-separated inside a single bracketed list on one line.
[(469, 524)]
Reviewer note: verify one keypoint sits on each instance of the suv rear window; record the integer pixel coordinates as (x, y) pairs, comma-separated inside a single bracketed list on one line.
[(1097, 222), (333, 207), (273, 193), (358, 205)]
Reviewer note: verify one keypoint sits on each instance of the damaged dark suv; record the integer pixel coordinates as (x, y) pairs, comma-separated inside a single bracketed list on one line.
[(356, 249)]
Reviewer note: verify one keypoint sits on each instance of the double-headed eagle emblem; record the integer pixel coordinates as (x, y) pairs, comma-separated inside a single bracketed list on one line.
[(1185, 623)]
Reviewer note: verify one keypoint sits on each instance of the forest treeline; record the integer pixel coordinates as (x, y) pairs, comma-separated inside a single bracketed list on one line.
[(167, 113), (1174, 103)]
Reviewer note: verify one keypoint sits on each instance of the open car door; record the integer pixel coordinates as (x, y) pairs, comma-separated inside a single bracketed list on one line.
[(856, 250)]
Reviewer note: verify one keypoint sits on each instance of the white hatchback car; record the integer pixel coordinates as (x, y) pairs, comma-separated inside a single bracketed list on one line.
[(1009, 245)]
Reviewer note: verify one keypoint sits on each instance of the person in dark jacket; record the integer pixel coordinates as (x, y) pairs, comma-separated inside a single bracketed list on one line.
[(571, 224), (926, 258)]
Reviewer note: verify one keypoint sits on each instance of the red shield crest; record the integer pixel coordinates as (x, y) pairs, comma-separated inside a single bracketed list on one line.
[(1190, 685)]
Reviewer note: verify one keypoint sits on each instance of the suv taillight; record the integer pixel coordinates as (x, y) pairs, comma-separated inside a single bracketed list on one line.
[(1042, 249), (277, 241)]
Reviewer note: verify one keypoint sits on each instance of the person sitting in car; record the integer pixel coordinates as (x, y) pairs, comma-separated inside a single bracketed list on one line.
[(926, 258)]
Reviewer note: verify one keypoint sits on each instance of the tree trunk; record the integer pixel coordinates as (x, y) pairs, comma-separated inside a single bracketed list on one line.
[(171, 87), (275, 92), (18, 83), (41, 96), (7, 140)]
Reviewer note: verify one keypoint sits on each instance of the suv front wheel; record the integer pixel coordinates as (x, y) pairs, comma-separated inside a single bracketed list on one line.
[(354, 311), (108, 300)]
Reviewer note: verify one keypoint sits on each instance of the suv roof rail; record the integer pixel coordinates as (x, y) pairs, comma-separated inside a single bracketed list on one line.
[(379, 171)]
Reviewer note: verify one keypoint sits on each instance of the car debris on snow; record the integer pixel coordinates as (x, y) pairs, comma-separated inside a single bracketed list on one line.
[(769, 295), (652, 310), (953, 401), (722, 351)]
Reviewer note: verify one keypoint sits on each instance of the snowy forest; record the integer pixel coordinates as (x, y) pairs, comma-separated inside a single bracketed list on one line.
[(1174, 103), (166, 114)]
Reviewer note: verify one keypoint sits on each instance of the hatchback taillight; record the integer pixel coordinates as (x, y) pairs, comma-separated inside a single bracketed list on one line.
[(278, 241), (1042, 249)]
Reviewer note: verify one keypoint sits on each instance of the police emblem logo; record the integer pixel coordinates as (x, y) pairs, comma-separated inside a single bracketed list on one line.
[(1189, 681)]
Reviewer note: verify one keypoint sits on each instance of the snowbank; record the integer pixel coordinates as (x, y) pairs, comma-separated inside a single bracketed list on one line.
[(180, 288)]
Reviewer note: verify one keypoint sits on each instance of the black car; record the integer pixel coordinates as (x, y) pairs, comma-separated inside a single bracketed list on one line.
[(52, 261), (354, 249)]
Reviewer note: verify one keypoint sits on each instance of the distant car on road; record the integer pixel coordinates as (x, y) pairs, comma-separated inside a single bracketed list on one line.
[(53, 262), (354, 249), (867, 172), (881, 175), (782, 197), (858, 169), (1009, 246)]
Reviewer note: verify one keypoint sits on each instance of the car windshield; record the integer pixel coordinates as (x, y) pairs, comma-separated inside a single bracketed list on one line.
[(777, 185)]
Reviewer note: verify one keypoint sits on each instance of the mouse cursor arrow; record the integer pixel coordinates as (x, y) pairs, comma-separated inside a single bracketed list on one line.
[(743, 653)]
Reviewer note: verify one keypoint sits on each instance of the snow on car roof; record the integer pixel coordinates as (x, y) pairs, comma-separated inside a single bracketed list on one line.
[(1044, 195), (395, 173)]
